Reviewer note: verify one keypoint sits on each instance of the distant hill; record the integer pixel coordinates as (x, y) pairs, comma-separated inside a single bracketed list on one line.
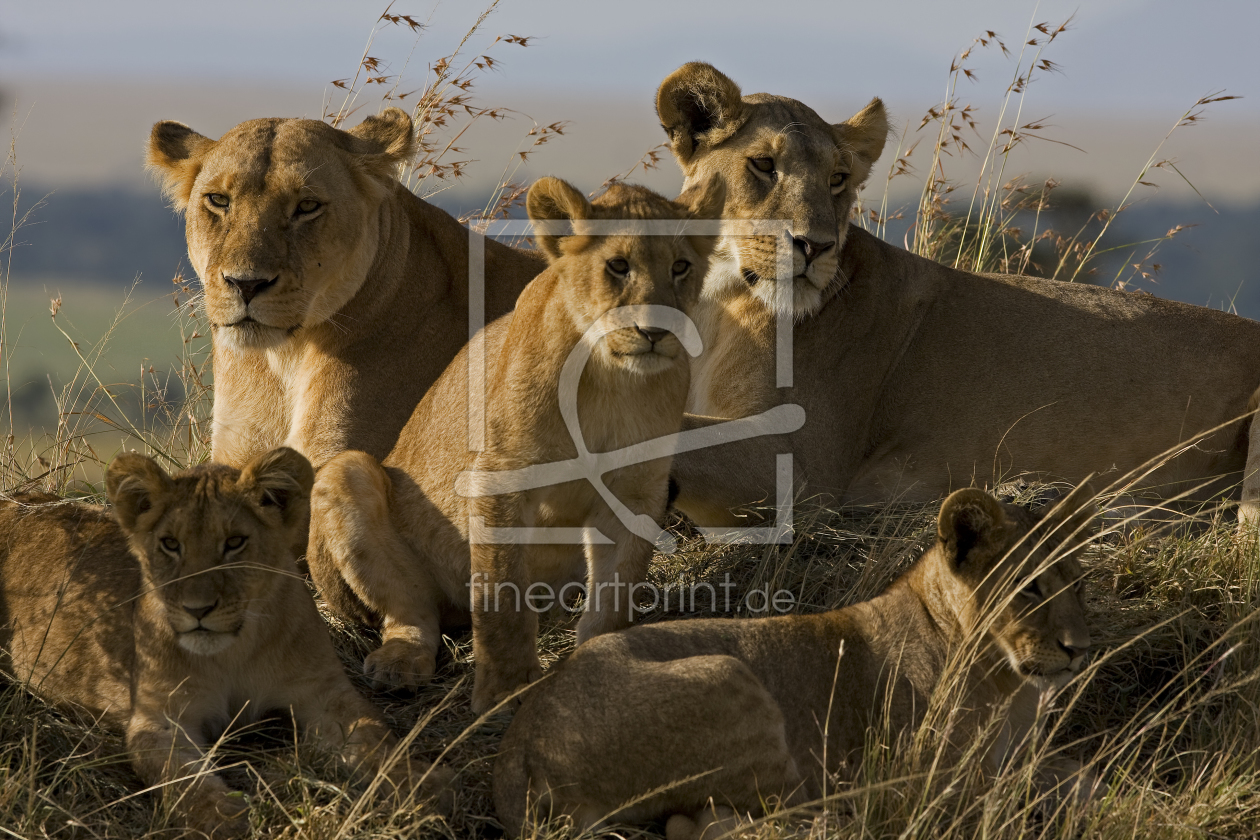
[(111, 235)]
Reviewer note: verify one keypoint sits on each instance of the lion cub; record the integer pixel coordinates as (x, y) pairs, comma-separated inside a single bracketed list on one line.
[(181, 614), (401, 546), (735, 709)]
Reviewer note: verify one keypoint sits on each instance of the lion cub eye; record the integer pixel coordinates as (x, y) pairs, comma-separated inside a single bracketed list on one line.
[(233, 543), (837, 180), (307, 206), (170, 544), (618, 267), (1032, 590), (217, 200), (681, 267)]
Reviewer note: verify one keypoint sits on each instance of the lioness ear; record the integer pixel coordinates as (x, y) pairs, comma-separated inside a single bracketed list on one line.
[(174, 155), (551, 200), (282, 478), (968, 518), (864, 134), (135, 485), (698, 105), (390, 140)]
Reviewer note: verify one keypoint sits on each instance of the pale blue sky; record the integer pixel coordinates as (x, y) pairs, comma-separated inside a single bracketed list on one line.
[(1129, 68), (1124, 54)]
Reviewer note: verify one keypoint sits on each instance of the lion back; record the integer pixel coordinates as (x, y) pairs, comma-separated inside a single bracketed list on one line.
[(67, 588)]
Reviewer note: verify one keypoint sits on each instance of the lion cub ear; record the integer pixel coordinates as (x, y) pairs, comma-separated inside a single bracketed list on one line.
[(551, 204), (281, 478), (388, 140), (174, 155), (969, 519), (864, 135), (698, 105), (135, 486)]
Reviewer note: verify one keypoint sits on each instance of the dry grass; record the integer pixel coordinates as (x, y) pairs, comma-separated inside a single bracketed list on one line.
[(997, 223), (1167, 713)]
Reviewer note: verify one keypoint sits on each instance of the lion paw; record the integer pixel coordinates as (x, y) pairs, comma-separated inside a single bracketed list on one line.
[(434, 784), (399, 664), (492, 684), (711, 822), (219, 814)]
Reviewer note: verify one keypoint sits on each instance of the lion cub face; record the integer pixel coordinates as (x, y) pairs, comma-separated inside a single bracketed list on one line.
[(214, 542), (283, 216), (644, 266), (780, 161), (1014, 575)]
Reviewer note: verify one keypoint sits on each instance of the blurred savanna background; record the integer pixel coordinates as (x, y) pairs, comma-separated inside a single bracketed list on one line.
[(82, 82), (1105, 142)]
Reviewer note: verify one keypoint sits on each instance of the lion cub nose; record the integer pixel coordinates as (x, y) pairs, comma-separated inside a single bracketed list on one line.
[(200, 612), (249, 287), (652, 334)]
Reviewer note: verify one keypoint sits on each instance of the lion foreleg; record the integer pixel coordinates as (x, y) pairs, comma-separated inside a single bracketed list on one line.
[(367, 572), (165, 755), (614, 574), (505, 629), (337, 718), (1249, 509)]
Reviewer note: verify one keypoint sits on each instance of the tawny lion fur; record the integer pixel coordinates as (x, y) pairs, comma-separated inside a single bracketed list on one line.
[(917, 378), (180, 614), (335, 296), (703, 721), (391, 545)]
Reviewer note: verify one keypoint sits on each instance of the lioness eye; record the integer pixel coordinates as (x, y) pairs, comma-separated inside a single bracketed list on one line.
[(762, 164), (680, 268), (307, 205), (233, 543), (618, 267), (1032, 590), (217, 199), (838, 180), (170, 544)]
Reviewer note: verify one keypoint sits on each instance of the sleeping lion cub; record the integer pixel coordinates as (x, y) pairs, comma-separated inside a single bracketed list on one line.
[(732, 709), (180, 615), (594, 356)]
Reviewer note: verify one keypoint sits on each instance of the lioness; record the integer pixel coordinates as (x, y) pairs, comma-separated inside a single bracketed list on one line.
[(181, 614), (744, 710), (916, 378), (396, 545), (335, 296)]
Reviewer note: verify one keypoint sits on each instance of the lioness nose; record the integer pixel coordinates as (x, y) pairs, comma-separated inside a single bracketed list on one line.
[(652, 334), (249, 287), (812, 250), (200, 612)]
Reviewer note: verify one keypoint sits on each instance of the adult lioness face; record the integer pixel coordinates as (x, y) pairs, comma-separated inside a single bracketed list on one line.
[(283, 216), (781, 161)]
